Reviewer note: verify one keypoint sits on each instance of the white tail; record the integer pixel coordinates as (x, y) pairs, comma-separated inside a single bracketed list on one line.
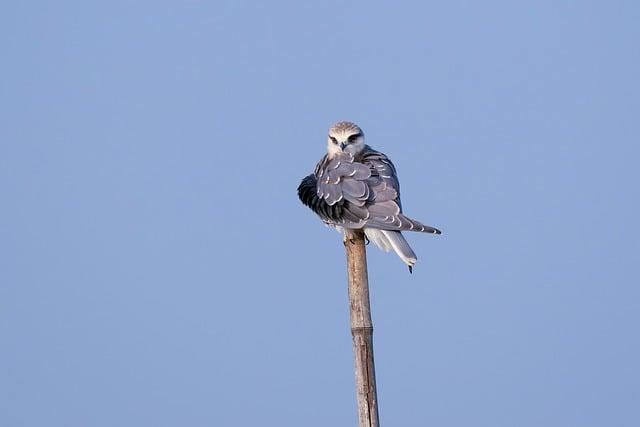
[(386, 240)]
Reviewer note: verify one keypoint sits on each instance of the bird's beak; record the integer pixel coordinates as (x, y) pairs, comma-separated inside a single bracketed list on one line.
[(343, 144)]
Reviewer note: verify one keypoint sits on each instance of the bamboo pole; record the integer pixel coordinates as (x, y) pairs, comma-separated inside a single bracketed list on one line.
[(362, 331)]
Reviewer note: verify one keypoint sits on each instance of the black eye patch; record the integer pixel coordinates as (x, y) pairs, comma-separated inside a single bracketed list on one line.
[(354, 137), (335, 141)]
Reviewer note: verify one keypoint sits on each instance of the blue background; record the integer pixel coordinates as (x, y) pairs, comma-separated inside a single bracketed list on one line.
[(157, 269)]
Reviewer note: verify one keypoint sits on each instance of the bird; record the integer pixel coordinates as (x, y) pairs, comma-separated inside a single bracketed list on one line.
[(355, 187)]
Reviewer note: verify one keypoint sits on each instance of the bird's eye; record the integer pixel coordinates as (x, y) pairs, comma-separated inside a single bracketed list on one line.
[(335, 141), (354, 137)]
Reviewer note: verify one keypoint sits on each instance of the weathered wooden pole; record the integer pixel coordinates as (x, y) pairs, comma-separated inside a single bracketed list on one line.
[(362, 331)]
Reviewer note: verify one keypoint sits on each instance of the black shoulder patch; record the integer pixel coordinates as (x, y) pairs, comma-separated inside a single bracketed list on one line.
[(307, 192)]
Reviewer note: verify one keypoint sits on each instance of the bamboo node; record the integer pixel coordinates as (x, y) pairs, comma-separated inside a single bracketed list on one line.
[(362, 330)]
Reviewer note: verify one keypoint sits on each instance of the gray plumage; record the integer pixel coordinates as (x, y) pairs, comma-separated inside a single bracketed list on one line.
[(356, 187)]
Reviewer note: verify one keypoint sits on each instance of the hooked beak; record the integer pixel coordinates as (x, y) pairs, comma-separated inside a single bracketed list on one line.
[(343, 144)]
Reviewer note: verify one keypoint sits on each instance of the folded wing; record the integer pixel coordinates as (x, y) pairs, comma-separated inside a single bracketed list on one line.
[(358, 193)]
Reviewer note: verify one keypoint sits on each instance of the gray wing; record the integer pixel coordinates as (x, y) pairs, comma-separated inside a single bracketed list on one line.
[(367, 190)]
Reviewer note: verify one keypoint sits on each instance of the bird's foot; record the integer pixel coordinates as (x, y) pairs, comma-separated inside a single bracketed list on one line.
[(349, 236), (410, 269), (348, 239)]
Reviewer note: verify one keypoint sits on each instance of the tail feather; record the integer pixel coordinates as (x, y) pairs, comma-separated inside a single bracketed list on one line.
[(387, 239), (401, 247)]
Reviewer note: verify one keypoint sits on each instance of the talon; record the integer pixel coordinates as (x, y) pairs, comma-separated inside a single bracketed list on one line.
[(410, 270), (366, 240)]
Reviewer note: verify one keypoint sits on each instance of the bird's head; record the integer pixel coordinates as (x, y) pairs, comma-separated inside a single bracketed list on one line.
[(345, 137)]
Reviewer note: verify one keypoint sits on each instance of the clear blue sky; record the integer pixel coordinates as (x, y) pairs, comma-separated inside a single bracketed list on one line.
[(157, 269)]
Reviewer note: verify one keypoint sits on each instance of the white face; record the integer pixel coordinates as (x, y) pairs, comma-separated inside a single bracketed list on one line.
[(345, 140)]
